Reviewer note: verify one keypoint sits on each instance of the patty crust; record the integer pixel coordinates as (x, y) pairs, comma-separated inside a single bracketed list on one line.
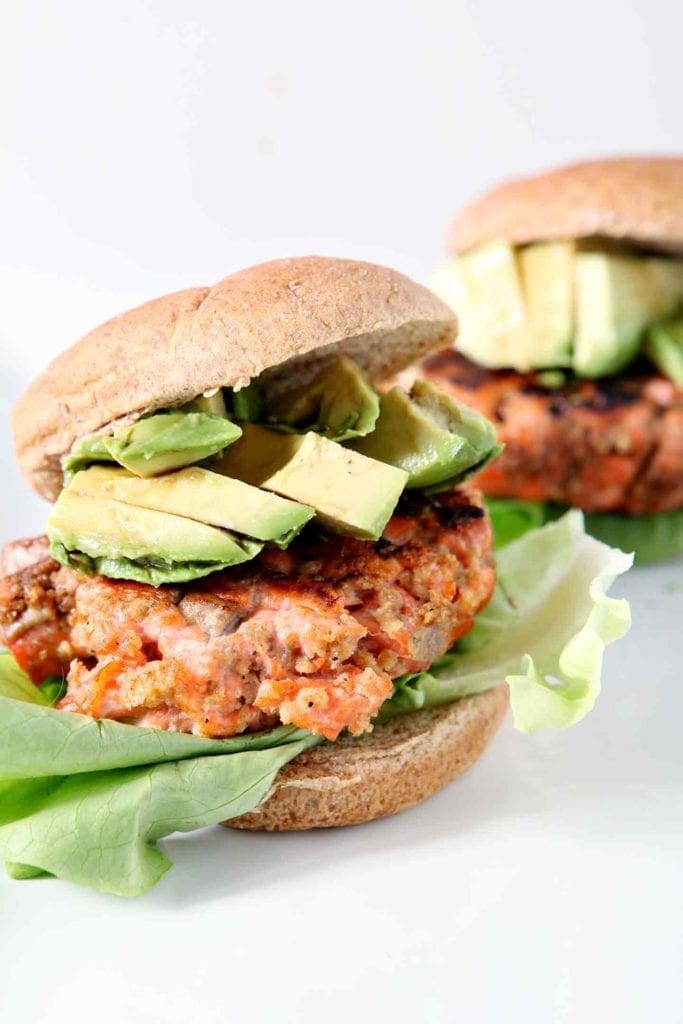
[(313, 635), (608, 445)]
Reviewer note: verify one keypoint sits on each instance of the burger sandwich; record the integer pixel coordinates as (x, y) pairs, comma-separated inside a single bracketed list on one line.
[(267, 594), (569, 292)]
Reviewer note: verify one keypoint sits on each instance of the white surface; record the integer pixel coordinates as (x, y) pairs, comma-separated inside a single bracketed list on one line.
[(543, 886), (145, 148)]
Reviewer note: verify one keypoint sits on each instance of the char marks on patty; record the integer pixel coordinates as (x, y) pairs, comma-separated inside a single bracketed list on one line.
[(313, 635), (609, 445)]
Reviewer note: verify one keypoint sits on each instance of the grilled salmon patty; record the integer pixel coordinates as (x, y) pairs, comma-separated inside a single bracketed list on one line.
[(313, 635), (610, 445)]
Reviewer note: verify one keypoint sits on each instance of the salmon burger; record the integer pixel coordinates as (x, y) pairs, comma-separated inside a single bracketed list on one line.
[(569, 288), (266, 594)]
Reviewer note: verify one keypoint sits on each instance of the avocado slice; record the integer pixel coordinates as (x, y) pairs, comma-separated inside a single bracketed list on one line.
[(202, 496), (100, 535), (213, 402), (664, 346), (84, 453), (350, 493), (617, 297), (338, 403), (247, 404), (156, 444), (486, 293), (515, 304), (435, 439), (545, 339)]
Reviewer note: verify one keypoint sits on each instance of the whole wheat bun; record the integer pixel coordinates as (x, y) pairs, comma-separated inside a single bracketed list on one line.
[(402, 762), (631, 199), (284, 318)]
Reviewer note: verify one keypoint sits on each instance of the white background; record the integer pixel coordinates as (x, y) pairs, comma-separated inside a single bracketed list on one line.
[(150, 146)]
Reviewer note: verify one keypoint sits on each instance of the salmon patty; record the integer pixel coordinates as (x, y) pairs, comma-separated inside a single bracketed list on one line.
[(610, 445), (313, 635)]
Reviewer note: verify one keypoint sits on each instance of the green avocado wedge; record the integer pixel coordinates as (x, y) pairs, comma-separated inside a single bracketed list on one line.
[(664, 347), (200, 495), (109, 538), (156, 444), (351, 494), (339, 403), (439, 442), (655, 538), (617, 297)]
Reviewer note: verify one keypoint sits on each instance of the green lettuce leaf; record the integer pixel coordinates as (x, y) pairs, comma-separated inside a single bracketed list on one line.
[(16, 684), (87, 800), (512, 518), (100, 829), (544, 631), (651, 538), (37, 742)]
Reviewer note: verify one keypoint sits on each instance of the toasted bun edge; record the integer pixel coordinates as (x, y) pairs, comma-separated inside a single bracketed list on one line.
[(402, 762)]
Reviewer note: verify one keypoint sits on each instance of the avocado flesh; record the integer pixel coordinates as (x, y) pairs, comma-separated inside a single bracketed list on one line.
[(430, 436), (350, 493), (339, 404), (156, 444), (212, 403), (485, 290), (100, 528), (664, 347), (547, 270), (171, 440), (247, 404), (202, 496), (617, 297), (83, 454), (515, 305)]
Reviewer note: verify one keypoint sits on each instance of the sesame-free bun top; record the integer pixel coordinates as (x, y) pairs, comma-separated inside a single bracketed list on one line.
[(277, 320), (637, 200)]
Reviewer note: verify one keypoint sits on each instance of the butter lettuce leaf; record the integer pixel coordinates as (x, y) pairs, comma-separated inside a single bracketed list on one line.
[(652, 538), (100, 829), (14, 683), (38, 742), (88, 800), (544, 632)]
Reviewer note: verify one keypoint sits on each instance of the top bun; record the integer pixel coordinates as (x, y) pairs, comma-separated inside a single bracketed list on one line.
[(631, 199), (280, 319)]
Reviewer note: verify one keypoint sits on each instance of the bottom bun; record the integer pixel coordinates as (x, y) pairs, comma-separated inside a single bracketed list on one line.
[(401, 762)]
